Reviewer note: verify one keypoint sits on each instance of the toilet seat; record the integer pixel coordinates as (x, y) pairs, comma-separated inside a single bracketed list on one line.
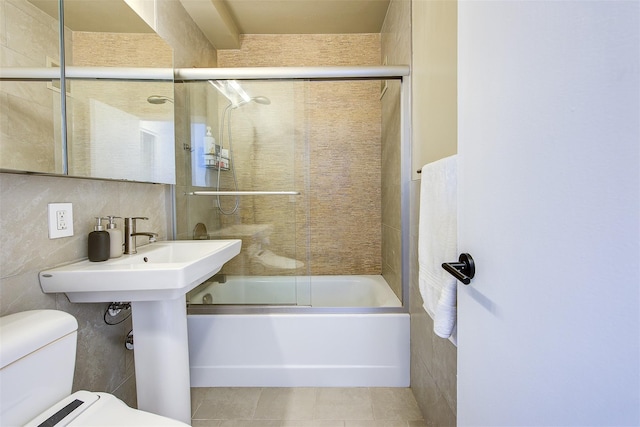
[(84, 408)]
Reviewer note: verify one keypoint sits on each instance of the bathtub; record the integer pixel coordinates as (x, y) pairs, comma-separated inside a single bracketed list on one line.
[(340, 340)]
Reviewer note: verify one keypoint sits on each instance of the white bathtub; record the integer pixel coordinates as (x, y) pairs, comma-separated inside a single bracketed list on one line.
[(303, 349)]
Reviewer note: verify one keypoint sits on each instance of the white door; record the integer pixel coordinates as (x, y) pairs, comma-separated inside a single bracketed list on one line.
[(549, 137)]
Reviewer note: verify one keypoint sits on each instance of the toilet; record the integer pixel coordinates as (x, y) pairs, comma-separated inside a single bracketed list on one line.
[(37, 363)]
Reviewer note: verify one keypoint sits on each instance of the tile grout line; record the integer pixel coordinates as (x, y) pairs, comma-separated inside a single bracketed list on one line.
[(314, 411), (255, 408), (194, 411)]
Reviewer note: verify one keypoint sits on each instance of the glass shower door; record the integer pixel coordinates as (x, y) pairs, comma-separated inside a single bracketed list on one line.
[(307, 175), (245, 185)]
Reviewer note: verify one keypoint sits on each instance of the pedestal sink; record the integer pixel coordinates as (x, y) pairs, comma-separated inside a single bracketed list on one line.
[(155, 280)]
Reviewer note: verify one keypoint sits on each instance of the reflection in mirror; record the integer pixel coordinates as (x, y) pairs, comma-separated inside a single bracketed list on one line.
[(116, 130), (113, 131), (30, 127), (118, 134)]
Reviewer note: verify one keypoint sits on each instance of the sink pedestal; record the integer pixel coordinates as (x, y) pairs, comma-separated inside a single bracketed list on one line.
[(161, 352)]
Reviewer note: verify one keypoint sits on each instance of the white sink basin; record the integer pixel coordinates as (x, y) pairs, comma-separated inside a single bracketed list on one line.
[(162, 270)]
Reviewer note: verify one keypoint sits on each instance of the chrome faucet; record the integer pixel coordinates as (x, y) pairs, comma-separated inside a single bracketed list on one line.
[(130, 234)]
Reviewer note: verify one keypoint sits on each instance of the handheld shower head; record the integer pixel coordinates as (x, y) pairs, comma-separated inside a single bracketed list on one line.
[(158, 99), (257, 99), (261, 100)]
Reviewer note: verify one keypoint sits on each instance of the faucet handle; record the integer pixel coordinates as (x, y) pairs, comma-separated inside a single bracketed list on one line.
[(131, 220)]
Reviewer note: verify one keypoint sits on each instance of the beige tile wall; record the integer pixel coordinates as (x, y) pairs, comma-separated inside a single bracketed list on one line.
[(396, 49), (337, 153), (433, 359), (302, 50), (92, 49)]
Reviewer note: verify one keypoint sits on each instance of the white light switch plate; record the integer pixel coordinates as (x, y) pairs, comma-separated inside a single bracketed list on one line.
[(60, 220)]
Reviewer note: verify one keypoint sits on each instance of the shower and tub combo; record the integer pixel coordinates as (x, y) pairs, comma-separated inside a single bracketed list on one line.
[(314, 184)]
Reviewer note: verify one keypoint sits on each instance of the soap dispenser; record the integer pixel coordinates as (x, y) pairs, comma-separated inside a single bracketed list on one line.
[(115, 237), (99, 242)]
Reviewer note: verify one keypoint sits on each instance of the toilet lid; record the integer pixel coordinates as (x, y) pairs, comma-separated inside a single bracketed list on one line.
[(84, 408)]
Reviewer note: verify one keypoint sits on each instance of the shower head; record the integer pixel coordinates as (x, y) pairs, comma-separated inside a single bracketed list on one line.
[(261, 100), (158, 99), (257, 99)]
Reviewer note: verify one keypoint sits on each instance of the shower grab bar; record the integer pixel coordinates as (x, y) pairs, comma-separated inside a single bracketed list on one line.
[(244, 193)]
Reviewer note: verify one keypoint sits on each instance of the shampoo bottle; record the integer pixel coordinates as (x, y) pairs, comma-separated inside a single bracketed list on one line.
[(210, 143), (99, 242), (115, 237)]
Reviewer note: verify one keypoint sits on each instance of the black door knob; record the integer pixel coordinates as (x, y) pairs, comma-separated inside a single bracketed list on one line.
[(463, 270)]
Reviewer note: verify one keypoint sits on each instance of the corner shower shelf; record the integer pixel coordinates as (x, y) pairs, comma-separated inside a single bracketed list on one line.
[(212, 161)]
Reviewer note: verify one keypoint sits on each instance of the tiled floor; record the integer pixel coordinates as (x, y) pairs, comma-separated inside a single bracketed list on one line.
[(305, 407)]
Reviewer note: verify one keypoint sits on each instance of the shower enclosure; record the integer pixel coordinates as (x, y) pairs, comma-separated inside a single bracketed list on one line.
[(307, 172), (314, 180), (309, 167)]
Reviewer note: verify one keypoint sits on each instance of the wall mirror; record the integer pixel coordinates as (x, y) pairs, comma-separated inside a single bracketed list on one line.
[(119, 129)]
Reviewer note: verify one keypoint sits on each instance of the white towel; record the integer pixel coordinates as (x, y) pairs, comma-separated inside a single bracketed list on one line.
[(437, 243)]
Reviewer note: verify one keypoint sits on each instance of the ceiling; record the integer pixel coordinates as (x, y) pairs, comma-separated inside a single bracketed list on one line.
[(308, 16), (223, 21), (110, 16)]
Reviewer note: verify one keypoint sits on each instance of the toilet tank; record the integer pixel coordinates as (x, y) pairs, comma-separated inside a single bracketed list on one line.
[(37, 361)]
